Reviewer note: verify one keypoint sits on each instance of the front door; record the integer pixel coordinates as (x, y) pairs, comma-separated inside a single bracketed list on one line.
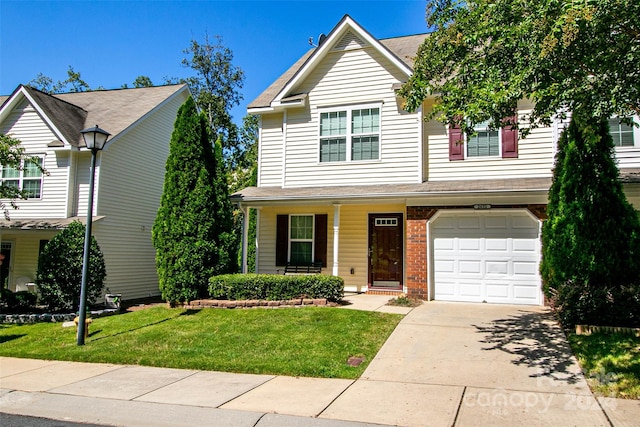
[(385, 251)]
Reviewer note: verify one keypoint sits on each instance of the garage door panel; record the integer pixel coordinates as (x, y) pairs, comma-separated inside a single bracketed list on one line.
[(496, 245), (524, 268), (492, 257), (445, 266), (497, 290), (525, 245), (470, 267), (469, 222), (496, 222), (444, 244), (469, 245), (470, 289), (497, 267)]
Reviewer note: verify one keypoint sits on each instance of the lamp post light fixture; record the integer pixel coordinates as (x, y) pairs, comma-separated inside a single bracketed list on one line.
[(95, 139)]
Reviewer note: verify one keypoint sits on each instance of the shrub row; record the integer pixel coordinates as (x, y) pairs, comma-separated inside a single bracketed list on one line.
[(14, 302), (275, 287)]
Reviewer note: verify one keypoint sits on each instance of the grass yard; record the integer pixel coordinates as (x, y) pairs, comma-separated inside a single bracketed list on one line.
[(310, 341), (610, 362)]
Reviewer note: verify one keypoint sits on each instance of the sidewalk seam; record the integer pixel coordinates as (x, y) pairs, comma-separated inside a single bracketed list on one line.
[(455, 418)]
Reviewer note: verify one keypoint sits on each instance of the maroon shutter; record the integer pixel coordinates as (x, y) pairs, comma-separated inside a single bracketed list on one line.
[(320, 239), (282, 240), (456, 143), (510, 138)]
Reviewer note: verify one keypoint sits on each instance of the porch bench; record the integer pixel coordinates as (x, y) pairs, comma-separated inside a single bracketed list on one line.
[(313, 268)]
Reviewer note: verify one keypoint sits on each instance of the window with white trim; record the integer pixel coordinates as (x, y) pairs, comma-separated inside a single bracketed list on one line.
[(622, 133), (301, 239), (27, 178), (350, 134), (484, 142)]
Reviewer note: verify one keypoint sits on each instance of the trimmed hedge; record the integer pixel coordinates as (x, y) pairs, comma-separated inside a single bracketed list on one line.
[(275, 287)]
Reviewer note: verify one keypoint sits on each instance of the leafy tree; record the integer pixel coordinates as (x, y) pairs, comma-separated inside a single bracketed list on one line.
[(73, 83), (142, 81), (12, 155), (485, 55), (59, 273), (566, 56), (192, 233), (215, 87)]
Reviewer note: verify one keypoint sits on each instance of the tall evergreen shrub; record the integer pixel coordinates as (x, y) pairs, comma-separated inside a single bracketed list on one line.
[(59, 274), (591, 239), (192, 232)]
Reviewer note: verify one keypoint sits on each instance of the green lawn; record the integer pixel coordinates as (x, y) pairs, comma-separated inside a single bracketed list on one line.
[(310, 341), (610, 362)]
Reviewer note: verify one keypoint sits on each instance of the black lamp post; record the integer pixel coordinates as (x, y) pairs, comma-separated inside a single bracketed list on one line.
[(95, 139)]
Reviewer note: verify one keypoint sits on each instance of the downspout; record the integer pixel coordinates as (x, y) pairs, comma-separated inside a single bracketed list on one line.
[(336, 237)]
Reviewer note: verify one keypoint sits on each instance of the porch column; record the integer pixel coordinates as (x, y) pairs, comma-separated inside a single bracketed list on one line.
[(336, 237), (245, 237)]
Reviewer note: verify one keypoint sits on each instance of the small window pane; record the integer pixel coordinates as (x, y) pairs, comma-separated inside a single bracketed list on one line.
[(621, 133), (9, 172), (333, 150), (365, 148), (31, 186), (301, 253), (365, 121), (302, 227), (31, 170), (333, 123), (485, 142)]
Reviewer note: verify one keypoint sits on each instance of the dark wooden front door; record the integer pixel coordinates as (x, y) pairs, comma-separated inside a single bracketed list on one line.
[(385, 251)]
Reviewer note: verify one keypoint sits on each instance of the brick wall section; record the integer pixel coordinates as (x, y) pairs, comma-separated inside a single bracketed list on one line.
[(416, 256)]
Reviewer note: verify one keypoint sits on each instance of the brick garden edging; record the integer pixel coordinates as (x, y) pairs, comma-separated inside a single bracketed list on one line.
[(214, 303), (590, 329), (21, 319)]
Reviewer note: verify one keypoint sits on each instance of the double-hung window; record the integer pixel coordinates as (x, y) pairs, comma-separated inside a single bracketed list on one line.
[(350, 134), (301, 239), (27, 178), (484, 142), (622, 133)]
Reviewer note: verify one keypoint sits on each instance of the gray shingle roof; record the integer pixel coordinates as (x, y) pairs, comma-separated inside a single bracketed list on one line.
[(116, 110), (113, 110), (404, 48), (431, 188)]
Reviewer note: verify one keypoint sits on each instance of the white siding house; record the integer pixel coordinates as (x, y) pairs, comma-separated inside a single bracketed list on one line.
[(393, 203), (128, 183)]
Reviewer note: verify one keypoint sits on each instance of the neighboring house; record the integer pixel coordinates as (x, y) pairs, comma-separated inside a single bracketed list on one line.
[(392, 203), (128, 181)]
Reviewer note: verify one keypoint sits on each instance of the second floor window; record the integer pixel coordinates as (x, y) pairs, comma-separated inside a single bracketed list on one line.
[(28, 178), (621, 133), (484, 142), (347, 135)]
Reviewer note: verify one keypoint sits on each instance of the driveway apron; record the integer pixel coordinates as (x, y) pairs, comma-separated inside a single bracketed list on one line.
[(472, 364)]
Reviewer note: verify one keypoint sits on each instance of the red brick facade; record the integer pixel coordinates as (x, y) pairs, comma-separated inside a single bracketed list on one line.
[(416, 255)]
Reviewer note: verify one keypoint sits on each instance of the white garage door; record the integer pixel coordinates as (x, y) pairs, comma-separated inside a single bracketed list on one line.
[(487, 257)]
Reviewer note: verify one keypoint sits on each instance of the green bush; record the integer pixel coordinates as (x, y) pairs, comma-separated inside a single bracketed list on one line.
[(275, 287), (18, 302), (59, 274), (591, 239)]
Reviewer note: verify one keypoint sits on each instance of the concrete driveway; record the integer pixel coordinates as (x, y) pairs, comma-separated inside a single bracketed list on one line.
[(473, 364)]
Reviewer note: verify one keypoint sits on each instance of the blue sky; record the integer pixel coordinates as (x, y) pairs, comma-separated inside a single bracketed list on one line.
[(112, 42)]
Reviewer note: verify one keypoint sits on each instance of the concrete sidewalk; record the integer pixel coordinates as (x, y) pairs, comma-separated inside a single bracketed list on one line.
[(445, 364)]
